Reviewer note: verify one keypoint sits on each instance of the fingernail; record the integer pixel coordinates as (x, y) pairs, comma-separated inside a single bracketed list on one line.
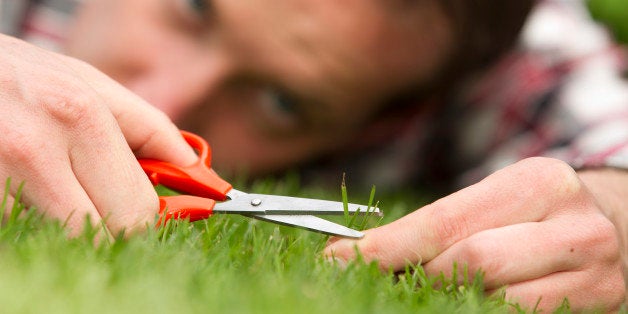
[(332, 240)]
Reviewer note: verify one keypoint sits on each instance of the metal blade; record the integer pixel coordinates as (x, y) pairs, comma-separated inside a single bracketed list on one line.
[(245, 203), (311, 223)]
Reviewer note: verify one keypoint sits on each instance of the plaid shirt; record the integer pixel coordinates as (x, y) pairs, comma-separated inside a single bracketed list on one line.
[(560, 94), (42, 22)]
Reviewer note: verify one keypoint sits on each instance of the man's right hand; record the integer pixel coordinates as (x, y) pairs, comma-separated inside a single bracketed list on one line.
[(72, 135)]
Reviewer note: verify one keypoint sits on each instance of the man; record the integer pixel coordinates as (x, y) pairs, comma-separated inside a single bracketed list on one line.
[(276, 84)]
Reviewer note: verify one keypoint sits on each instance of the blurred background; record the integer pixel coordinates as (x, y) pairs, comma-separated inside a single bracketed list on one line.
[(613, 13)]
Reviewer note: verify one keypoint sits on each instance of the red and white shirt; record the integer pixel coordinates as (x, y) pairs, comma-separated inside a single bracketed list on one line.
[(562, 93)]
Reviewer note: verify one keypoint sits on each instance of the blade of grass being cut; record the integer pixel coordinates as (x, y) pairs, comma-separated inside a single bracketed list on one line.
[(345, 201), (5, 196), (370, 209), (351, 219), (17, 207)]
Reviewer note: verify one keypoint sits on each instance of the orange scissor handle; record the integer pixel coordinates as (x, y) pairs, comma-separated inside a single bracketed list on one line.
[(197, 179), (184, 207)]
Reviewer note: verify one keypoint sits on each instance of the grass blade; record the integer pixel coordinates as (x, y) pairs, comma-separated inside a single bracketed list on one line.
[(5, 197), (345, 200), (370, 209), (17, 206)]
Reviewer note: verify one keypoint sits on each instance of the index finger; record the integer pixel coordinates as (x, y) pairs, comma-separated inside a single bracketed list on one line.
[(147, 130), (103, 163), (531, 190)]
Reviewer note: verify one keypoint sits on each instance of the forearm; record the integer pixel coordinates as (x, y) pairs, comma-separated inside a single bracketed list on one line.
[(610, 188)]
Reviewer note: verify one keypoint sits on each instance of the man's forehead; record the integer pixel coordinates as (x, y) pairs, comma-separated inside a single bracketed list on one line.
[(358, 43), (357, 34)]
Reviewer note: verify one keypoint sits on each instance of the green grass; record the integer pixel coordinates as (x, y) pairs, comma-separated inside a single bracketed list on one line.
[(226, 264)]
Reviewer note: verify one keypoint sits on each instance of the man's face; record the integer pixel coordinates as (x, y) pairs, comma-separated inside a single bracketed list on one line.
[(269, 83)]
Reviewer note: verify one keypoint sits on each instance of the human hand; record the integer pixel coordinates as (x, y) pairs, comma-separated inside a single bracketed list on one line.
[(532, 227), (72, 134)]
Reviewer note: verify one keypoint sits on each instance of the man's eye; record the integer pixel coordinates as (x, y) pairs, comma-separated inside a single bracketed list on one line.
[(193, 15), (282, 102), (196, 11), (280, 109), (198, 6)]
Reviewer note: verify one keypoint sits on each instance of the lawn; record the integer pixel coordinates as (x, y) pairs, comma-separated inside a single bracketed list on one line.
[(226, 264)]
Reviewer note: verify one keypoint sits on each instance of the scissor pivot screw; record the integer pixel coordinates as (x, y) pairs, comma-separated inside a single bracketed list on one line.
[(256, 202)]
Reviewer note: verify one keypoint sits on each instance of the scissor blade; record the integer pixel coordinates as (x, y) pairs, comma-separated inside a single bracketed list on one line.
[(311, 223), (245, 203)]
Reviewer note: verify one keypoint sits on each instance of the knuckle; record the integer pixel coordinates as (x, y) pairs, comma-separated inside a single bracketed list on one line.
[(447, 227), (18, 148), (549, 176), (81, 111), (479, 254), (474, 253), (601, 236)]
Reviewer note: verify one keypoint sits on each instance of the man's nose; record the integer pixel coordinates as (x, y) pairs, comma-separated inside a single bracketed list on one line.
[(177, 82)]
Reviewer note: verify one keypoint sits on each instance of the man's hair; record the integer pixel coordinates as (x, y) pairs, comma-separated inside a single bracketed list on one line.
[(484, 29)]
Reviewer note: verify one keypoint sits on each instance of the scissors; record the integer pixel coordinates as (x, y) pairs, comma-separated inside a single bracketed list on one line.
[(207, 193)]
